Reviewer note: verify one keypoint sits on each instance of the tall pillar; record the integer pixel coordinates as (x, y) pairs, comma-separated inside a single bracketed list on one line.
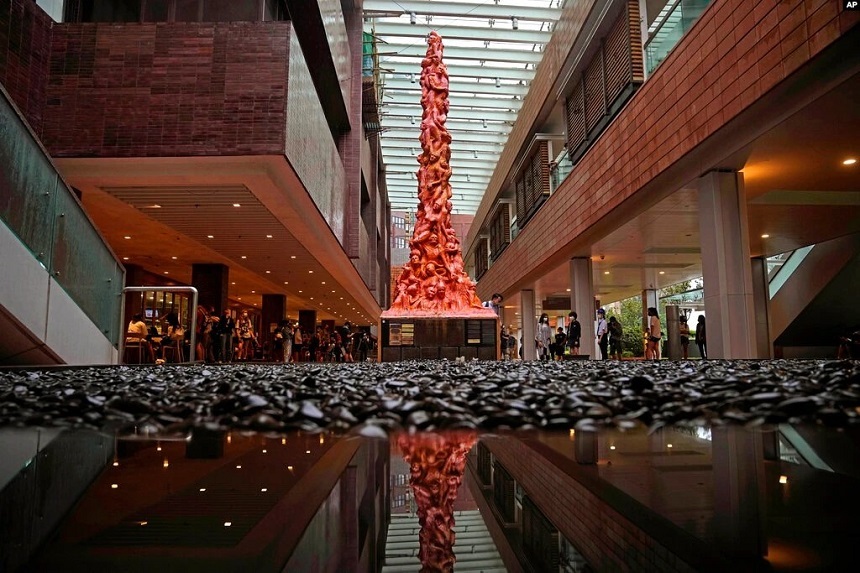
[(274, 310), (739, 489), (585, 447), (761, 302), (582, 302), (728, 287), (527, 314), (649, 299), (210, 280), (672, 332), (308, 321)]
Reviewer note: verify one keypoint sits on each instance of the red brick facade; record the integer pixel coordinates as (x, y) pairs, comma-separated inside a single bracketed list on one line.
[(167, 89), (25, 49), (736, 53)]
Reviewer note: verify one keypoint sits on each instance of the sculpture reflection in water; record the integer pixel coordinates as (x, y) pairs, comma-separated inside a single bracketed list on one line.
[(436, 464), (434, 280)]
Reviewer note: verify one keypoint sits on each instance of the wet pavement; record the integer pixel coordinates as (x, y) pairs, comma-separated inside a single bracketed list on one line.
[(434, 395)]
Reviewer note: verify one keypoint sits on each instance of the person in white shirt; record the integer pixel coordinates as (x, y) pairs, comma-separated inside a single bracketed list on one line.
[(494, 303), (602, 334), (137, 332)]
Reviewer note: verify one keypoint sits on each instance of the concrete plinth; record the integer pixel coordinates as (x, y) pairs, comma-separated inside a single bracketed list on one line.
[(432, 338)]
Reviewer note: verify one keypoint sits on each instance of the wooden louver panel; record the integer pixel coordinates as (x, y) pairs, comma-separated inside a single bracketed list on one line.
[(595, 99), (574, 111), (500, 230), (481, 255), (521, 202), (634, 38), (503, 492), (617, 52)]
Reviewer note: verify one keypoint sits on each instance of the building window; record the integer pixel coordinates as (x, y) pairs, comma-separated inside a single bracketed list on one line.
[(172, 10), (401, 243)]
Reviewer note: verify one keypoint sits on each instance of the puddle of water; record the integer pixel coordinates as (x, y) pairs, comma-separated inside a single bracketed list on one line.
[(686, 499)]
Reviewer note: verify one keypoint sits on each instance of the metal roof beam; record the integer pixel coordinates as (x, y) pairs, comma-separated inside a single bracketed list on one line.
[(455, 10), (455, 113), (453, 125), (457, 147), (457, 102), (453, 53), (421, 30), (457, 85), (410, 133), (459, 71)]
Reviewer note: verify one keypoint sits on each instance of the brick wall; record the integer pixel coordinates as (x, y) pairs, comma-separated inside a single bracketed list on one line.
[(605, 537), (132, 90), (734, 55), (25, 49)]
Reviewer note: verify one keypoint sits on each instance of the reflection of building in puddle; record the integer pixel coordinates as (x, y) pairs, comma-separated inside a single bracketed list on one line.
[(679, 499)]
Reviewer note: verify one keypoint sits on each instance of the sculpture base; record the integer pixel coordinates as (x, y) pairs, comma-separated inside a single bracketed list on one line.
[(436, 337)]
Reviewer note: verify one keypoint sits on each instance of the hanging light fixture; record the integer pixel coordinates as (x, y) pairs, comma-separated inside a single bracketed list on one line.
[(498, 83), (412, 18), (515, 23), (484, 121), (412, 78)]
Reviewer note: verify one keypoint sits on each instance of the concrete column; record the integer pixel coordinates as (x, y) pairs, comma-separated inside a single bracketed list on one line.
[(274, 310), (672, 332), (527, 314), (761, 303), (738, 461), (728, 287), (211, 282), (582, 303)]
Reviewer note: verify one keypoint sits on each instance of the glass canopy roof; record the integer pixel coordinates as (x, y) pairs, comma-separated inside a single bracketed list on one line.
[(492, 49)]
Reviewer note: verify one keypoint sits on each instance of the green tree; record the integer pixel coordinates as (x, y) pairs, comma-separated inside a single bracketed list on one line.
[(631, 320)]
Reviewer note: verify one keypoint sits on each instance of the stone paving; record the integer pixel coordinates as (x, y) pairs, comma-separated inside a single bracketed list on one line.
[(428, 395)]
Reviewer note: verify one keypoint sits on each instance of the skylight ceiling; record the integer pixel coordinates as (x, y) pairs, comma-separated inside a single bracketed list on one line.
[(492, 49)]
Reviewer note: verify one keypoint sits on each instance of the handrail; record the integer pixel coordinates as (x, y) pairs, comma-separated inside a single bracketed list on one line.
[(788, 267)]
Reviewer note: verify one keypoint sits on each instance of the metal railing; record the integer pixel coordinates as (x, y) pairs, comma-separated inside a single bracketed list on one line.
[(670, 25)]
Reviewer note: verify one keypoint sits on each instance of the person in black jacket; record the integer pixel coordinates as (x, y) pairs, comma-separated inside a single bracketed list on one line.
[(574, 333)]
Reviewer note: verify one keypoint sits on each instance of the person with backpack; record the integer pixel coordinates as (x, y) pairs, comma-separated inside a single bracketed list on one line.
[(616, 331)]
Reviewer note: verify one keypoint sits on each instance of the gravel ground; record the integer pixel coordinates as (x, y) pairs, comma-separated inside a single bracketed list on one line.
[(432, 395)]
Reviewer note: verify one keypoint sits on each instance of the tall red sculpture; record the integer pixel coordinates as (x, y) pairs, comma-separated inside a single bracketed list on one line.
[(434, 281), (436, 464)]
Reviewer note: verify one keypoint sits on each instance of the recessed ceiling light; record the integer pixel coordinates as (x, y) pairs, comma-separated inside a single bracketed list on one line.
[(332, 291), (210, 236), (312, 298), (125, 258), (127, 237), (232, 283), (606, 272), (237, 204), (310, 272), (323, 282), (568, 290), (292, 256), (268, 272), (765, 236), (244, 256), (268, 236), (174, 258), (286, 283), (300, 291), (849, 161), (155, 206), (240, 298), (253, 292), (165, 272), (662, 272)]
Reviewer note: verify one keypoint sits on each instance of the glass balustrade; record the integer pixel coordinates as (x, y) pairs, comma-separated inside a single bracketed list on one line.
[(671, 23)]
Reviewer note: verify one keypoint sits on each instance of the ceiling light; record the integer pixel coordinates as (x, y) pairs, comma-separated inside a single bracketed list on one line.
[(568, 290), (292, 256), (232, 283), (300, 291), (237, 204), (323, 282), (765, 236), (125, 258), (155, 206), (268, 236), (412, 18), (606, 272), (484, 121), (412, 78), (475, 154), (268, 272), (244, 257), (310, 272), (515, 23), (849, 161), (210, 236), (126, 237), (783, 479), (253, 292), (228, 523), (174, 258), (412, 120), (286, 283), (662, 272), (114, 485), (165, 272)]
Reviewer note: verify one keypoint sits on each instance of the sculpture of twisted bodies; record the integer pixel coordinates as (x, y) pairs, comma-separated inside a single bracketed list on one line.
[(434, 280)]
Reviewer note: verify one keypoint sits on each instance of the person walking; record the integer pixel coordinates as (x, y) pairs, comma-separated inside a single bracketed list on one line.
[(602, 334), (543, 337), (494, 303), (684, 332), (574, 333), (701, 337), (616, 332), (655, 334)]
